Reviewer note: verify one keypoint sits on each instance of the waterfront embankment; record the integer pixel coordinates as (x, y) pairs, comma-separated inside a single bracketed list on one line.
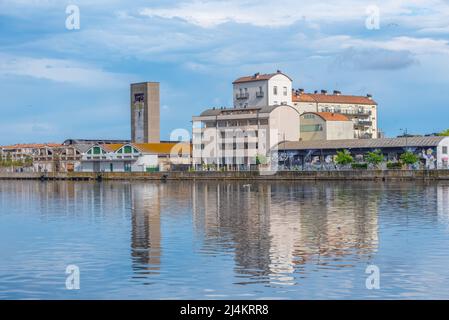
[(382, 175)]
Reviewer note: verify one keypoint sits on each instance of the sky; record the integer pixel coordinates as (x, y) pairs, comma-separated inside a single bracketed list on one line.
[(59, 83)]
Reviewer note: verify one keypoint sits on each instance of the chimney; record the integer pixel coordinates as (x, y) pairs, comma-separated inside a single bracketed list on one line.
[(256, 75), (369, 96), (316, 91), (337, 93), (323, 91), (301, 90)]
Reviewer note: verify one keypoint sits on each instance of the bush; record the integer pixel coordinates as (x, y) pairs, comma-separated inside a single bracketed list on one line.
[(360, 166), (375, 158), (394, 165), (344, 157), (409, 158), (261, 159)]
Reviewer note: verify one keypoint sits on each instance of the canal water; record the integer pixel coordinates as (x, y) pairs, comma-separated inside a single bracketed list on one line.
[(224, 240)]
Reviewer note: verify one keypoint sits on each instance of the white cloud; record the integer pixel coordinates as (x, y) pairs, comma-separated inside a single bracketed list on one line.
[(419, 13), (272, 14), (58, 70), (414, 45)]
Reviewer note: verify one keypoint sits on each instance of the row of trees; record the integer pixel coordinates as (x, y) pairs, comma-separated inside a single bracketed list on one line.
[(374, 158)]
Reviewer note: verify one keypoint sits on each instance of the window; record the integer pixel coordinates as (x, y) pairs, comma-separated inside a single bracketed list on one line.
[(127, 149), (311, 128), (285, 91), (275, 90), (444, 150)]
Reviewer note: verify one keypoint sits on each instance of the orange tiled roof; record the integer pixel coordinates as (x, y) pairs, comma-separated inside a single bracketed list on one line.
[(330, 116), (161, 148), (332, 98), (258, 77), (112, 147)]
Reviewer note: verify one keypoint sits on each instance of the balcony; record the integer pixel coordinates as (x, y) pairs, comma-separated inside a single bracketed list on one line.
[(363, 123), (242, 96), (365, 135)]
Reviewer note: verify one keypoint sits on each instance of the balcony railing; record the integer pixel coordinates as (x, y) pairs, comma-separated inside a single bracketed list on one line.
[(363, 123), (240, 96), (355, 113), (259, 94)]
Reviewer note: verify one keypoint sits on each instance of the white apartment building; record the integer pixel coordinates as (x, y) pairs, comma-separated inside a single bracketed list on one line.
[(261, 90), (362, 110), (240, 138)]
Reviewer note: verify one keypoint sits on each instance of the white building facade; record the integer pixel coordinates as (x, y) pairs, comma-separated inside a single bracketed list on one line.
[(139, 157), (362, 110), (262, 90), (325, 126), (240, 138)]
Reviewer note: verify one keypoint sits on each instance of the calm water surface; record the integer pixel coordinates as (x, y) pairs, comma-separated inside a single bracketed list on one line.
[(221, 240)]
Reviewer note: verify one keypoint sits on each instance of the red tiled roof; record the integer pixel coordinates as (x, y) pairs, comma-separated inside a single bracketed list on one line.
[(32, 145), (329, 116), (304, 97), (259, 77), (332, 98)]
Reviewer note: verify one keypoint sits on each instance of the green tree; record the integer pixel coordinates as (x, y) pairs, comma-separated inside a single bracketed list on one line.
[(444, 133), (261, 159), (375, 158), (344, 157), (28, 161), (409, 158)]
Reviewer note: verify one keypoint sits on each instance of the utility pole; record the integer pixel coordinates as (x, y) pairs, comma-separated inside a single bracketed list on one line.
[(405, 133)]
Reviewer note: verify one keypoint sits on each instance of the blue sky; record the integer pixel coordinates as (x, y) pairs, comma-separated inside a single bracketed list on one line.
[(58, 83)]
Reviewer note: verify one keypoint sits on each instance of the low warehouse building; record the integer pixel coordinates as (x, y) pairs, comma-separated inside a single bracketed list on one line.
[(432, 151), (135, 157)]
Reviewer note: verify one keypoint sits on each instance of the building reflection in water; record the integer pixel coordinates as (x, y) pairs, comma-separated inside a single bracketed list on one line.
[(146, 229), (277, 232), (443, 202), (276, 229)]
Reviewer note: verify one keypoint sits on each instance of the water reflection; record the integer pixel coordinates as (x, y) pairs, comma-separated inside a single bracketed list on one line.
[(275, 228), (265, 237), (146, 229)]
